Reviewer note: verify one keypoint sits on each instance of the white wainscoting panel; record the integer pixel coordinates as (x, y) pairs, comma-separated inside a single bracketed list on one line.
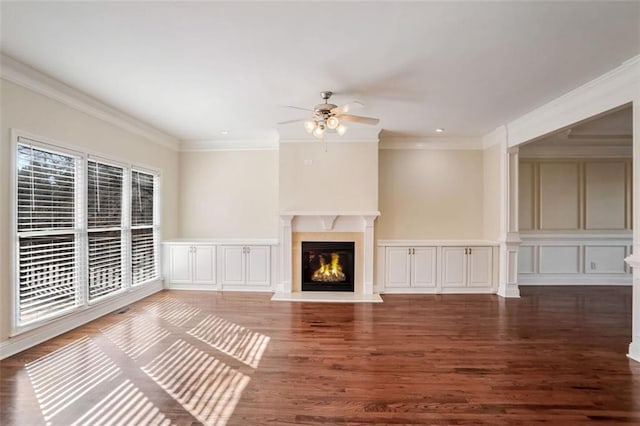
[(576, 258), (559, 259), (605, 259), (526, 259)]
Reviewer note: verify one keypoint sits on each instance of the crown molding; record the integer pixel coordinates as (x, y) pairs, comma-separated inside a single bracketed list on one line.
[(434, 143), (228, 145), (611, 90), (566, 151), (38, 82), (497, 136)]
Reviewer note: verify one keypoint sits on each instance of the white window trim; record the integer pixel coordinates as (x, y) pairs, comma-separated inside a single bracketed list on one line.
[(81, 229)]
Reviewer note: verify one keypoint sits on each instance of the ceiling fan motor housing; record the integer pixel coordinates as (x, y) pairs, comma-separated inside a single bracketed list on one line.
[(323, 111)]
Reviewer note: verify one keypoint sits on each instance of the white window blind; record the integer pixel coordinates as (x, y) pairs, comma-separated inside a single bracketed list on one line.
[(46, 232), (143, 227), (105, 228), (86, 229)]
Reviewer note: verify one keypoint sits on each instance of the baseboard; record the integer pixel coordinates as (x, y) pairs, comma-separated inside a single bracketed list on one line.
[(57, 327), (417, 290), (402, 290), (245, 288), (634, 351), (575, 279), (200, 287)]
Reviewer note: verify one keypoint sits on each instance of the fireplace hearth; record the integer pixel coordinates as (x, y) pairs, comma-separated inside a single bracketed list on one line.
[(327, 266)]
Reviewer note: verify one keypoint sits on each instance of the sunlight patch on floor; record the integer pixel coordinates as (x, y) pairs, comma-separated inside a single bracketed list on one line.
[(173, 311), (234, 340), (65, 375), (135, 335), (203, 385), (125, 405)]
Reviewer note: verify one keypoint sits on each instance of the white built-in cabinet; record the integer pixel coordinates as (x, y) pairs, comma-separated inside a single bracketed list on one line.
[(467, 267), (218, 265), (245, 267), (410, 267), (433, 267), (191, 264)]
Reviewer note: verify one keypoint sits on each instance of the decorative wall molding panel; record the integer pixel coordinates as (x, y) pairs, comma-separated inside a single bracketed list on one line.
[(575, 194), (581, 258)]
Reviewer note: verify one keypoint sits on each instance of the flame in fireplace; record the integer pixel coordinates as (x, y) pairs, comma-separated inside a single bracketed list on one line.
[(329, 272)]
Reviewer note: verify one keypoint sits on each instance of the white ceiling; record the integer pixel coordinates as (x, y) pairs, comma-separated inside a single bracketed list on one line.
[(195, 69)]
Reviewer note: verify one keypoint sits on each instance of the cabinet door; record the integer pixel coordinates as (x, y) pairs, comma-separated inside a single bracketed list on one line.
[(423, 267), (258, 261), (180, 260), (454, 268), (398, 267), (233, 266), (480, 267), (204, 269)]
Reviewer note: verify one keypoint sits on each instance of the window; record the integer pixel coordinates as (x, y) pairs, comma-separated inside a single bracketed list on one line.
[(105, 220), (143, 229), (86, 229), (47, 234)]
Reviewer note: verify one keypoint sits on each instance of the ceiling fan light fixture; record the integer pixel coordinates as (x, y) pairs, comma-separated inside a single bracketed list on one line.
[(318, 132), (310, 126), (341, 129), (333, 122)]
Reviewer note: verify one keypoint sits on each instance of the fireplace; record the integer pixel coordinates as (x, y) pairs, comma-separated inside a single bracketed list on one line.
[(327, 266)]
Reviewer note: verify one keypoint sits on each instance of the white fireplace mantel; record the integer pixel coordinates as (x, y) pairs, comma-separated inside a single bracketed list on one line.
[(326, 221)]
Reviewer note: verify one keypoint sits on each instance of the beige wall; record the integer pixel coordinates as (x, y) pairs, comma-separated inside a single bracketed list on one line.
[(431, 194), (575, 195), (344, 177), (492, 197), (229, 194), (25, 110)]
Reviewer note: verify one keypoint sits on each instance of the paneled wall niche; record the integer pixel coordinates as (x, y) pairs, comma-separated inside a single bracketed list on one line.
[(572, 195)]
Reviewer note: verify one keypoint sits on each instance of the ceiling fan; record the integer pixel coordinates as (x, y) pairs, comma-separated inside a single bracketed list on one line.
[(329, 117)]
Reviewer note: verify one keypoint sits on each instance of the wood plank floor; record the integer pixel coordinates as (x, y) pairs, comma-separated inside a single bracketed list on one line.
[(556, 356)]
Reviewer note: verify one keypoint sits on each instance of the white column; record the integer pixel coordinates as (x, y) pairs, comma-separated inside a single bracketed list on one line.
[(367, 281), (285, 254), (509, 234), (634, 259)]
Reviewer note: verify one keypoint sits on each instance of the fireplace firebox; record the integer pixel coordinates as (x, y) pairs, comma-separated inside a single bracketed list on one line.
[(327, 266)]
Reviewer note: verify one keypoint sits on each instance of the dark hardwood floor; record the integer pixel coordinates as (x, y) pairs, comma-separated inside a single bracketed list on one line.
[(556, 356)]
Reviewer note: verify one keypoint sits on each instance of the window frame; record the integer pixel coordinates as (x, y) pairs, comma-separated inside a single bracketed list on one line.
[(125, 226), (81, 229), (155, 226)]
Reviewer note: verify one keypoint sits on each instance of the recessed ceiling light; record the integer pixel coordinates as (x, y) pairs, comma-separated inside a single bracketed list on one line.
[(440, 130), (224, 132)]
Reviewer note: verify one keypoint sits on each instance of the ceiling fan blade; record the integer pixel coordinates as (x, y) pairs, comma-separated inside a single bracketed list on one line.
[(295, 107), (343, 109), (293, 121), (359, 119)]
